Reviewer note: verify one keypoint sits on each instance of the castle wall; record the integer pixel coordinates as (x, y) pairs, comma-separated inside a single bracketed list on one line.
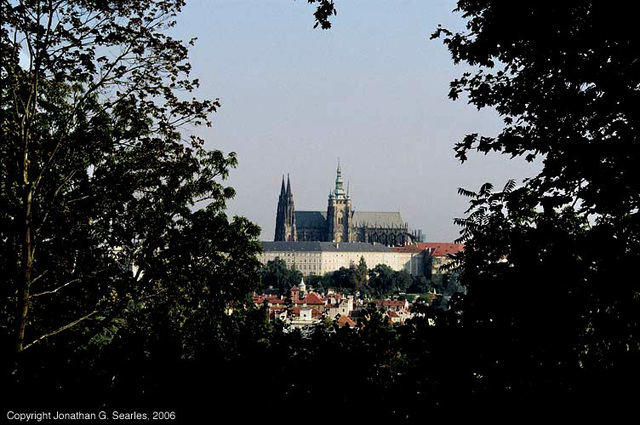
[(321, 262)]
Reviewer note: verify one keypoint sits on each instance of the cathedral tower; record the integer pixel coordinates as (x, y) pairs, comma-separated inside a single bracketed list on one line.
[(339, 222), (340, 213), (286, 216)]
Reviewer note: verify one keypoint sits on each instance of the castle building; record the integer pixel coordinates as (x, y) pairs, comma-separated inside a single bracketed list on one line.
[(340, 222), (319, 258)]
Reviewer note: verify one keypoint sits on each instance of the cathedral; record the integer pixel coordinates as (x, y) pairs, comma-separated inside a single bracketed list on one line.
[(340, 222)]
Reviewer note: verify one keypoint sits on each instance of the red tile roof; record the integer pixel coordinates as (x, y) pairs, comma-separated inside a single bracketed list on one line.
[(259, 299), (437, 249), (312, 299), (442, 249), (407, 248), (345, 321)]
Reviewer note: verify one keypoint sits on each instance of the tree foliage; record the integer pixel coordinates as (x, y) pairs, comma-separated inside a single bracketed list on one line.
[(324, 10), (345, 279), (112, 222), (380, 282), (277, 275), (547, 264), (384, 280)]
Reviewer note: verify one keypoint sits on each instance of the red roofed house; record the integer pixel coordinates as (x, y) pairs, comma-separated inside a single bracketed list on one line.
[(396, 310), (346, 321), (392, 305), (304, 316), (339, 307), (306, 308), (442, 249), (436, 255)]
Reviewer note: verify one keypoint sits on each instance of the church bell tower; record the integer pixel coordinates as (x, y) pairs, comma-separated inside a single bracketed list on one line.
[(340, 213), (286, 216)]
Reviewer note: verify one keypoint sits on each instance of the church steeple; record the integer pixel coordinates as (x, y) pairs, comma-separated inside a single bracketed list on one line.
[(340, 226), (286, 215), (282, 190), (339, 190)]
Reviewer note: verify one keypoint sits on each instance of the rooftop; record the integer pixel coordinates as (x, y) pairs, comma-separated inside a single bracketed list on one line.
[(372, 219), (322, 247), (442, 249), (379, 219), (311, 219), (346, 321), (313, 298)]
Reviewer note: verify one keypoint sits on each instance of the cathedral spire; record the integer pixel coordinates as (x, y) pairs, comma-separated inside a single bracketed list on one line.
[(282, 190), (286, 215), (339, 190)]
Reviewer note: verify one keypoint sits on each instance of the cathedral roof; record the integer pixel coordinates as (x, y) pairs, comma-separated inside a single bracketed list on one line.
[(323, 247), (311, 219), (381, 219)]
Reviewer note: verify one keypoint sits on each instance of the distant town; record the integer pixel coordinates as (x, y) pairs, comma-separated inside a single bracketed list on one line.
[(333, 264), (341, 284)]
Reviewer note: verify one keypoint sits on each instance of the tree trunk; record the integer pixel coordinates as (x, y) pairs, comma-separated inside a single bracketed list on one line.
[(27, 266), (27, 254)]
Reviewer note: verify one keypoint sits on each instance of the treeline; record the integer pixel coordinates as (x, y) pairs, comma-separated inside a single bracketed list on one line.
[(377, 283)]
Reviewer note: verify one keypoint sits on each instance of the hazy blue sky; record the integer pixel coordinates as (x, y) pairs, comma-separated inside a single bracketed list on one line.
[(371, 91)]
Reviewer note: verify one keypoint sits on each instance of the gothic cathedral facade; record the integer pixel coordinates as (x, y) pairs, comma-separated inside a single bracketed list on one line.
[(340, 222)]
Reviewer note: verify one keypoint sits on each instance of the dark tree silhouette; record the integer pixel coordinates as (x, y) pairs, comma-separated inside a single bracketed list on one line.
[(116, 254), (549, 264)]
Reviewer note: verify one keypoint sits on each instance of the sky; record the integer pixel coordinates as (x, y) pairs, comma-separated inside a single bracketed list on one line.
[(371, 92)]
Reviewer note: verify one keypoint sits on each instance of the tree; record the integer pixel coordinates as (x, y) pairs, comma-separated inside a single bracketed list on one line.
[(319, 283), (419, 285), (361, 274), (276, 274), (565, 87), (109, 215), (349, 280), (384, 281), (344, 279)]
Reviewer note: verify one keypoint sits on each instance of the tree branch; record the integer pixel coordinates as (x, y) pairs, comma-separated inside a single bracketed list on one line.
[(55, 291), (39, 276), (61, 329)]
